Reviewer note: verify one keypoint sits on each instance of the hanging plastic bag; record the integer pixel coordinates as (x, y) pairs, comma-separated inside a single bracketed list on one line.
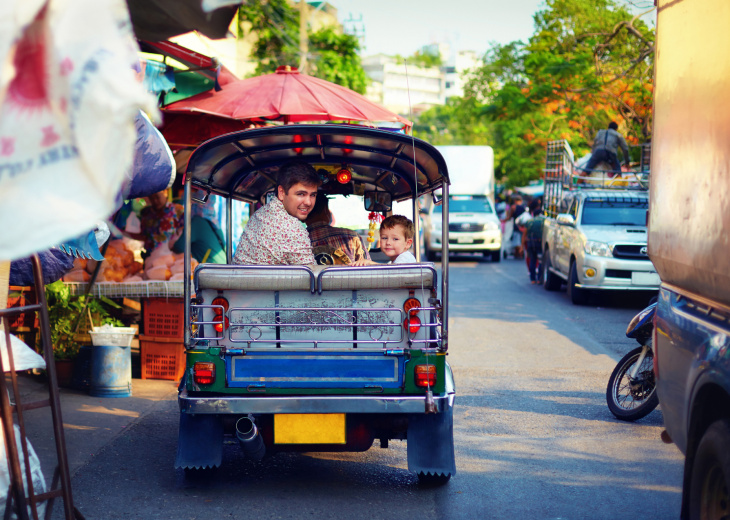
[(67, 131)]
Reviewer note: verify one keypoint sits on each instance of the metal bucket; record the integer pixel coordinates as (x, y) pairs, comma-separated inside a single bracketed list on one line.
[(111, 371)]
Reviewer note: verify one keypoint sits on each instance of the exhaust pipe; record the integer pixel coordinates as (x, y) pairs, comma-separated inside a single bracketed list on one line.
[(248, 437)]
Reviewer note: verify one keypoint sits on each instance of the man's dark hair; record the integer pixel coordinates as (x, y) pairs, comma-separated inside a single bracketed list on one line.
[(399, 220), (294, 172), (613, 125)]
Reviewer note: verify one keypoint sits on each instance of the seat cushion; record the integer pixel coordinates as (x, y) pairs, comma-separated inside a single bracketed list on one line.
[(254, 278)]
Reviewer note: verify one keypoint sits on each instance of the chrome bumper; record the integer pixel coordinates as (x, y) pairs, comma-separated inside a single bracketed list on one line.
[(309, 404)]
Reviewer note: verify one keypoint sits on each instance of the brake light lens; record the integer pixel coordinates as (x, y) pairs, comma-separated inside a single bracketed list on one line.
[(344, 176), (298, 139), (222, 321), (425, 375), (204, 373), (222, 324), (411, 303), (412, 324)]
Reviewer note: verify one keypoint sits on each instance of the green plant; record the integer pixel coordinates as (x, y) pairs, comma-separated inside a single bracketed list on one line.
[(65, 312)]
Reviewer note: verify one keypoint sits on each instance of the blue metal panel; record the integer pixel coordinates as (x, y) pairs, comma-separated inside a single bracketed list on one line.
[(308, 370)]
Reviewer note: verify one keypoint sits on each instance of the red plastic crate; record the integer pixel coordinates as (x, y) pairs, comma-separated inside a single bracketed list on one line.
[(162, 358), (163, 317), (20, 297)]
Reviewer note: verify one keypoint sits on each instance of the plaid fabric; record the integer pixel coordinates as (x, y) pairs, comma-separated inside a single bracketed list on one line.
[(322, 234)]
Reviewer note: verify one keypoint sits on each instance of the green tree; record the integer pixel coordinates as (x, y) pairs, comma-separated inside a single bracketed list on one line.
[(458, 122), (335, 57), (332, 56), (588, 62)]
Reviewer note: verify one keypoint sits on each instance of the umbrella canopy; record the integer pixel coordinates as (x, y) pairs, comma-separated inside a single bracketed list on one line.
[(287, 96)]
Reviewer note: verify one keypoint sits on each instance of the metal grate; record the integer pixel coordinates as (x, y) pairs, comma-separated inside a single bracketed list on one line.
[(630, 251), (466, 227)]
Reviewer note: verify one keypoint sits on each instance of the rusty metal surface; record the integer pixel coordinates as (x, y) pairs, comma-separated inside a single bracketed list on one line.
[(690, 185)]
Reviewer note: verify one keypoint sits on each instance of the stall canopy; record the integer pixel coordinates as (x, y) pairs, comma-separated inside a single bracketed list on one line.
[(287, 96)]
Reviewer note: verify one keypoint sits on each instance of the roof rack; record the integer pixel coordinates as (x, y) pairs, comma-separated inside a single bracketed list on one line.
[(563, 172)]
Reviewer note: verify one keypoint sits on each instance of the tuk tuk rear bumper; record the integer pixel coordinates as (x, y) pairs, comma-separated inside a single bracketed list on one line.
[(309, 404)]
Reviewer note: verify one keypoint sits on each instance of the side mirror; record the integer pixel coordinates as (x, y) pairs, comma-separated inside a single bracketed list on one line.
[(565, 219), (378, 201), (437, 198)]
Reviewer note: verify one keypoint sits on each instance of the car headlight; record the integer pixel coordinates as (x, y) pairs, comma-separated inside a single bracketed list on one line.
[(597, 248), (489, 226)]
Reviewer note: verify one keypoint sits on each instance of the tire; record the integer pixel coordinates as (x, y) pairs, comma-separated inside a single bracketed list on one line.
[(430, 255), (577, 295), (629, 402), (431, 480), (708, 486), (496, 255), (551, 281)]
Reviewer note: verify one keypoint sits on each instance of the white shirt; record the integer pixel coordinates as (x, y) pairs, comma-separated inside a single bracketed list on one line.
[(404, 258)]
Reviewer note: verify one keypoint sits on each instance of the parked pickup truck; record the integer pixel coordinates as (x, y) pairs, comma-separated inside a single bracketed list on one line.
[(594, 237)]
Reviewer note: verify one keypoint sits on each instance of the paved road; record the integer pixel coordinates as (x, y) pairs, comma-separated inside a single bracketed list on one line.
[(534, 438)]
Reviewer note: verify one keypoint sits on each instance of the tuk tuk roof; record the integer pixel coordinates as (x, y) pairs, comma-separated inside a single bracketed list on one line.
[(244, 165)]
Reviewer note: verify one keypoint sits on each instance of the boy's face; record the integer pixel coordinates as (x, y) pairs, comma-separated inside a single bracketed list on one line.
[(393, 241)]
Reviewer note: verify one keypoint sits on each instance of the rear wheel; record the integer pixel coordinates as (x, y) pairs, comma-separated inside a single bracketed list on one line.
[(708, 493), (577, 295), (551, 281)]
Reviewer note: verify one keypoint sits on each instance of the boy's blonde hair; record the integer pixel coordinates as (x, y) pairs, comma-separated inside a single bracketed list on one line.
[(399, 220)]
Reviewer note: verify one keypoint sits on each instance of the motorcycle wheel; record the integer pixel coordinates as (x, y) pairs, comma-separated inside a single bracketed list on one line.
[(629, 402)]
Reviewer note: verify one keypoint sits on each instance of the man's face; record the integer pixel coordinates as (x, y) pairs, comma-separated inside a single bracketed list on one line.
[(299, 201)]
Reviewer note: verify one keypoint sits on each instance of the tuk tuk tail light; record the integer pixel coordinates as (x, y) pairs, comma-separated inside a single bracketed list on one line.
[(204, 373), (221, 324), (412, 324), (425, 375), (344, 176), (222, 302), (411, 303)]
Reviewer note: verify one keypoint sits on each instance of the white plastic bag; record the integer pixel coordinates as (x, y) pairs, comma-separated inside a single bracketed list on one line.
[(39, 483), (67, 131)]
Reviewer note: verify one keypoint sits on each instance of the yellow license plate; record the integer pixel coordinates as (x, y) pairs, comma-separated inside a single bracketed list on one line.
[(309, 428)]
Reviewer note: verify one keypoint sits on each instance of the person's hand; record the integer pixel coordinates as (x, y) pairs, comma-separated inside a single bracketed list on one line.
[(362, 262), (176, 236)]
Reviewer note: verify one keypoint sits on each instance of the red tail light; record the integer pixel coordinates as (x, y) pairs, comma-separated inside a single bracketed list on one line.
[(412, 324), (222, 302), (411, 303), (222, 324), (204, 373), (348, 140), (425, 375)]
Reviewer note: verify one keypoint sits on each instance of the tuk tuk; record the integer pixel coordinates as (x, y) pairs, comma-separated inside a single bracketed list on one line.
[(326, 357)]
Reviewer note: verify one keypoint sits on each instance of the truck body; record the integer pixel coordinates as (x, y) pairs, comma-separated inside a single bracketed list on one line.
[(689, 244), (594, 236), (474, 225)]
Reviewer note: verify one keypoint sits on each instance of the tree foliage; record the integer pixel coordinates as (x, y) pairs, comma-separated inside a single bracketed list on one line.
[(332, 56), (588, 62)]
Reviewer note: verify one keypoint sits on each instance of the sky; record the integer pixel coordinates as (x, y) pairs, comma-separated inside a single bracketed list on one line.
[(404, 26)]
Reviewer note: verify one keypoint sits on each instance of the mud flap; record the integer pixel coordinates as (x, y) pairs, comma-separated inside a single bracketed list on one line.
[(431, 443), (199, 441)]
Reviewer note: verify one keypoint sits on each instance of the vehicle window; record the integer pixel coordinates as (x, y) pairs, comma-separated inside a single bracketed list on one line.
[(574, 209), (467, 204), (615, 212)]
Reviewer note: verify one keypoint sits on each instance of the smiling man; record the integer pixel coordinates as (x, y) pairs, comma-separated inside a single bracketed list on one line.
[(276, 234)]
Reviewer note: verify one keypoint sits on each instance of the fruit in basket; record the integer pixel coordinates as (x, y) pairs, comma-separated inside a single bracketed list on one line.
[(76, 275)]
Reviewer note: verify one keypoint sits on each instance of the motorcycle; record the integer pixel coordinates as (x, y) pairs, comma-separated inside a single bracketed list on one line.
[(631, 392)]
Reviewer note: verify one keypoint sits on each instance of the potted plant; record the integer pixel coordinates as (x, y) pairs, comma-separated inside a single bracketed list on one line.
[(65, 314)]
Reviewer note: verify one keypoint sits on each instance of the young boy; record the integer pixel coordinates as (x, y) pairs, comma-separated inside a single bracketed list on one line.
[(396, 238)]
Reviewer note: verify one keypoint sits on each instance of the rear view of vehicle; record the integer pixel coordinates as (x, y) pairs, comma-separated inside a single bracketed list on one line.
[(318, 358), (688, 242)]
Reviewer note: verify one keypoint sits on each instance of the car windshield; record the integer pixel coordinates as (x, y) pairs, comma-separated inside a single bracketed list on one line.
[(615, 212), (467, 204)]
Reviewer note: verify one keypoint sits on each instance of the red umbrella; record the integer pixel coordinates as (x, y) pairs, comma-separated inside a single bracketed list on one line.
[(286, 96)]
